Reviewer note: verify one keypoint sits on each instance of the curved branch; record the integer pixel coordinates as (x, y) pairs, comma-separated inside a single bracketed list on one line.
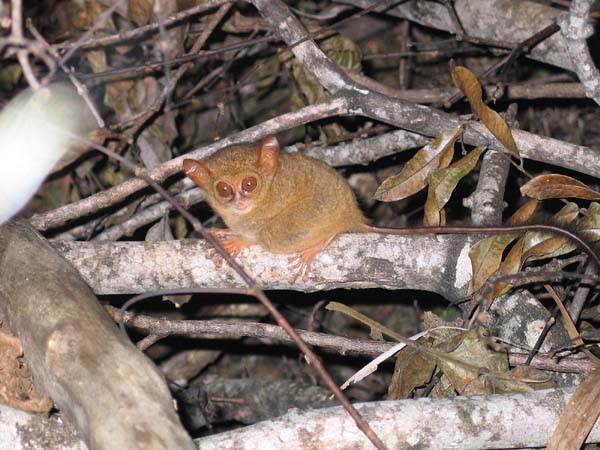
[(576, 29)]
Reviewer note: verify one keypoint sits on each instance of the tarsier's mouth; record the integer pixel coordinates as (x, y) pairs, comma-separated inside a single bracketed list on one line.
[(241, 204)]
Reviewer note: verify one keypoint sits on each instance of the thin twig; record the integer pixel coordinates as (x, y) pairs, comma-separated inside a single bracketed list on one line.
[(17, 34)]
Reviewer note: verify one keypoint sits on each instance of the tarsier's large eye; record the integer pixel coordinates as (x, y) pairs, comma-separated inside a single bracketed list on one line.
[(224, 190), (249, 184)]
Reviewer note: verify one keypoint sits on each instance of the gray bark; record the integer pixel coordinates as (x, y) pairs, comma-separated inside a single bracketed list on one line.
[(438, 264), (113, 394), (481, 422)]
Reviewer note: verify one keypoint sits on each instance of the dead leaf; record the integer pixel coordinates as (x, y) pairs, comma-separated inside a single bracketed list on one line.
[(467, 82), (413, 176), (442, 183), (140, 11), (524, 213), (413, 369), (589, 225), (557, 186), (470, 348), (510, 266), (486, 256), (543, 245), (579, 416)]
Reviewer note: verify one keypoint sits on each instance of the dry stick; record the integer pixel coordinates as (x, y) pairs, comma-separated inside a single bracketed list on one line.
[(227, 329), (149, 67), (140, 31), (88, 33), (579, 299), (81, 88), (172, 81), (518, 50), (255, 291), (17, 34), (196, 56)]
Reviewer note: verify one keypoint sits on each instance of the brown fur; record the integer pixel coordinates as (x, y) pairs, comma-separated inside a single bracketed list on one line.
[(302, 203)]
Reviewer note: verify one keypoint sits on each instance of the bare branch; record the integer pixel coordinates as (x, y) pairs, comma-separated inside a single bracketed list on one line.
[(481, 19), (432, 263), (67, 337), (576, 30), (493, 421)]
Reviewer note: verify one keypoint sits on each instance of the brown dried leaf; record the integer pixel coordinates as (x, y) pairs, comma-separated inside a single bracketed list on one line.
[(510, 266), (413, 369), (550, 248), (413, 176), (543, 245), (486, 256), (557, 186), (579, 416), (140, 11), (442, 183), (467, 82), (470, 348), (524, 213), (589, 226), (512, 263)]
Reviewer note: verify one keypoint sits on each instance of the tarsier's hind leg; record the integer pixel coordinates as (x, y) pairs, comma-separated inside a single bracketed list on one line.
[(302, 261)]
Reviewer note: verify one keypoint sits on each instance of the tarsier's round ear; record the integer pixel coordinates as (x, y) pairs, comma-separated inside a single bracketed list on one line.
[(267, 157), (198, 172)]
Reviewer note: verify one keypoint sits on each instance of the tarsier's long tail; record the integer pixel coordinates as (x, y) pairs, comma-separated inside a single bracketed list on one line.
[(493, 230)]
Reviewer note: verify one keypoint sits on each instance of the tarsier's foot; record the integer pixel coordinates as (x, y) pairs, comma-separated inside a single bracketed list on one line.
[(220, 233), (300, 267), (231, 243), (301, 262)]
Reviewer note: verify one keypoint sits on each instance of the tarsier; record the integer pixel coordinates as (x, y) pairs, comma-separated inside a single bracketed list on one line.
[(290, 203)]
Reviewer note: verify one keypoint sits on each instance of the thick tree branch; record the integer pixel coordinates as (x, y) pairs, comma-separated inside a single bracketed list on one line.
[(576, 29), (500, 20), (21, 430), (493, 421), (77, 356), (431, 263)]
